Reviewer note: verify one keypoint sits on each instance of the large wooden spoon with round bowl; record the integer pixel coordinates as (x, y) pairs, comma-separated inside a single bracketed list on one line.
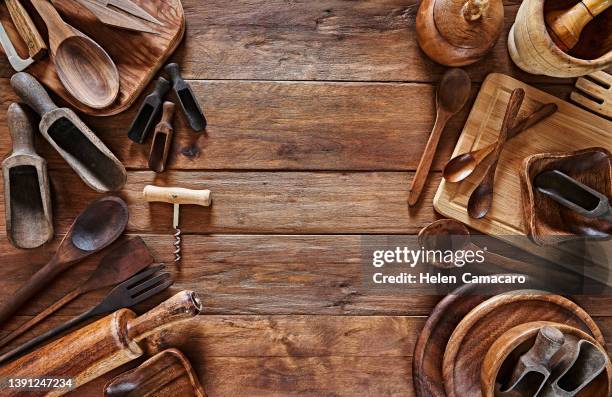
[(87, 72)]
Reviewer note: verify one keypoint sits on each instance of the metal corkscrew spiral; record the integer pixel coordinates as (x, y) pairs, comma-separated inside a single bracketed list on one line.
[(177, 245)]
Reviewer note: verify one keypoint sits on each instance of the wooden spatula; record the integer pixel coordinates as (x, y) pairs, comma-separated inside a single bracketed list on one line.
[(598, 87)]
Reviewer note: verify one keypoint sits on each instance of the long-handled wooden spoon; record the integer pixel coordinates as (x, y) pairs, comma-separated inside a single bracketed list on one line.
[(95, 228), (117, 266), (481, 200), (453, 93), (463, 165), (84, 68)]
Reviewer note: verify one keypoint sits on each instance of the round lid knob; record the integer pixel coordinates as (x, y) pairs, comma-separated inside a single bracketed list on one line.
[(469, 23)]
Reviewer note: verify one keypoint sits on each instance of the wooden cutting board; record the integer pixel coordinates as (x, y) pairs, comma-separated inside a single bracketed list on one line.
[(571, 128), (138, 55)]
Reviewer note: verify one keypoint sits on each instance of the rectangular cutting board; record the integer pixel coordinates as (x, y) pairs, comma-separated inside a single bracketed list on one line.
[(571, 128), (138, 56)]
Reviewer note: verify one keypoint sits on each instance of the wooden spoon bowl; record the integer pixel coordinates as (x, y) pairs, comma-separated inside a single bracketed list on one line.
[(103, 222), (78, 57)]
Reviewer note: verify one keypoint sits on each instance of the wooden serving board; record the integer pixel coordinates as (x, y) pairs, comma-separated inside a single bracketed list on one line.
[(571, 128), (138, 56)]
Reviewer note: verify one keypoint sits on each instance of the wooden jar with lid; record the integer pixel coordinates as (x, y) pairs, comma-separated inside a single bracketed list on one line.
[(458, 32)]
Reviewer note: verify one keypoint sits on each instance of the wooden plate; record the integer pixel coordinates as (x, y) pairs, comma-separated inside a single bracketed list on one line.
[(138, 56), (481, 327), (429, 350), (517, 341)]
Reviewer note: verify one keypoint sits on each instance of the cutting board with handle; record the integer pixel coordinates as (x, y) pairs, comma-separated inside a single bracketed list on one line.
[(138, 56), (571, 128)]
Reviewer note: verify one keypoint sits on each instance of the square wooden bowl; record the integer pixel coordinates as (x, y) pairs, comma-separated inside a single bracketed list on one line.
[(549, 223)]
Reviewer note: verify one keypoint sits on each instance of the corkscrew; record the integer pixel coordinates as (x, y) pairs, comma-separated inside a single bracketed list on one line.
[(177, 196)]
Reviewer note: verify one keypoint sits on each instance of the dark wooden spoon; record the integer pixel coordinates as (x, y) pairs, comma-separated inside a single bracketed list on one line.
[(95, 228), (481, 199), (462, 166), (117, 266), (453, 93)]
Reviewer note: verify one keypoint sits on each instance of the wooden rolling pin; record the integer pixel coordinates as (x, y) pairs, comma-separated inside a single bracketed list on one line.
[(566, 25), (97, 348)]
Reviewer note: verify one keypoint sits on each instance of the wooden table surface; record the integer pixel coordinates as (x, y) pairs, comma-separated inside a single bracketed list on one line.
[(318, 113)]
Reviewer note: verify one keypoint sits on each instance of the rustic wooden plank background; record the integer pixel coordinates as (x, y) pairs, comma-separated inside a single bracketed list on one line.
[(318, 112)]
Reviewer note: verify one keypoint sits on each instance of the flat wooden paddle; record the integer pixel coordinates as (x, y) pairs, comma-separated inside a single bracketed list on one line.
[(117, 266), (99, 225)]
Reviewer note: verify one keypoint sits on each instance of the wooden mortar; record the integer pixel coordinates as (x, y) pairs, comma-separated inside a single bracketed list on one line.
[(533, 50)]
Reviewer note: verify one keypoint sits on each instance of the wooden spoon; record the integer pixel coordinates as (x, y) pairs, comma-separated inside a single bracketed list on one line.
[(453, 92), (117, 266), (84, 68), (95, 228), (481, 199), (462, 166)]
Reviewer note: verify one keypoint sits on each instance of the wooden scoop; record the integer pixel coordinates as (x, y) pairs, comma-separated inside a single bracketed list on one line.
[(162, 140), (84, 68), (481, 200), (75, 142), (95, 228), (117, 266), (453, 92), (27, 199)]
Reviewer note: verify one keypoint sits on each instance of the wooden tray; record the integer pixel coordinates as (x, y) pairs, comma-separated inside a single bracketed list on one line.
[(138, 55), (481, 327), (571, 128)]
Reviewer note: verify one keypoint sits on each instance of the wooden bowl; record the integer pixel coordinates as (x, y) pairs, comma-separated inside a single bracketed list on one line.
[(533, 50), (506, 350), (483, 325), (549, 223)]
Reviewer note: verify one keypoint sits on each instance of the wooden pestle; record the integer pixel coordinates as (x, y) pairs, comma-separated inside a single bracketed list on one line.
[(94, 350), (567, 25)]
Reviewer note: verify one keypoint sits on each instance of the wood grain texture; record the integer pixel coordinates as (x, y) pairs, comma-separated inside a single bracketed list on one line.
[(261, 202), (137, 56)]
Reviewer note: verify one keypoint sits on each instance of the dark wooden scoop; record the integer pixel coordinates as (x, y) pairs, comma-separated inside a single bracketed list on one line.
[(117, 266), (187, 99), (149, 111), (167, 374), (27, 198), (162, 140), (74, 141), (481, 199), (95, 228)]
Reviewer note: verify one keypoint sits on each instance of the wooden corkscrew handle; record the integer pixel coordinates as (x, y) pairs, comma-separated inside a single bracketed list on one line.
[(177, 195)]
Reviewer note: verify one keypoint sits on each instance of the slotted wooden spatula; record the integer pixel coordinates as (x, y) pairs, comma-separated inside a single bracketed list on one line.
[(598, 87)]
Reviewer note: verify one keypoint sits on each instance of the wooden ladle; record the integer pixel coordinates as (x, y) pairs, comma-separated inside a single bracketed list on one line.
[(84, 68), (453, 93), (95, 228), (463, 165), (481, 199)]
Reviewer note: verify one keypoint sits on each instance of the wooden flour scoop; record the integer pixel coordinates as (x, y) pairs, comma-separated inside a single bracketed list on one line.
[(27, 197), (100, 347), (73, 140)]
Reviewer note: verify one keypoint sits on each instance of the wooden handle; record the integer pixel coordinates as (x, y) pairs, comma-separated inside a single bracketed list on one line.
[(176, 195), (28, 325), (22, 131), (567, 25), (37, 47), (420, 177), (184, 305), (596, 7), (57, 28), (534, 118), (174, 72), (168, 114), (162, 86), (32, 93)]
